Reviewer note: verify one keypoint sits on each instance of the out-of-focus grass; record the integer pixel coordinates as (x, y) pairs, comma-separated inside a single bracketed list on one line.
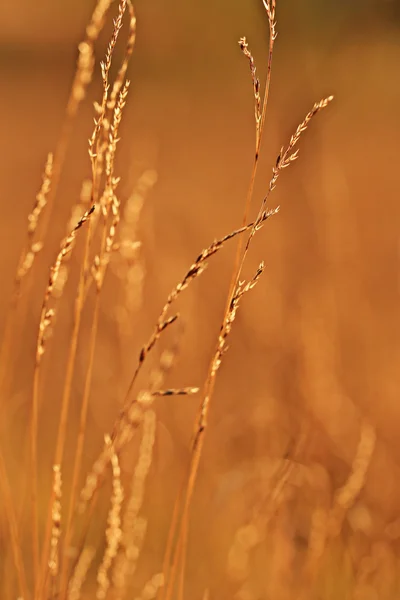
[(316, 345)]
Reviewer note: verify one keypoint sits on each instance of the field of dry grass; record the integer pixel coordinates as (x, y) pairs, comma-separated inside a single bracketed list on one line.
[(238, 443)]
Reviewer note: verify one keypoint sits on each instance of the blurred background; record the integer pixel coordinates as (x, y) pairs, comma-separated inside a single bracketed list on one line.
[(314, 355)]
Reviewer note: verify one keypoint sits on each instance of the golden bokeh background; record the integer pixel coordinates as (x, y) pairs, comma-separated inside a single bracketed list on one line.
[(314, 351)]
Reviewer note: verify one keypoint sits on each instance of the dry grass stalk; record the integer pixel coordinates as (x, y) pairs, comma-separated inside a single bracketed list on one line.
[(260, 121), (85, 64), (109, 201), (346, 496), (120, 78), (285, 158), (32, 248), (80, 573), (79, 303), (77, 211), (131, 421), (163, 322), (82, 78), (48, 313), (241, 289), (260, 114), (113, 532), (125, 564), (125, 426), (27, 257), (256, 85), (98, 143), (100, 150), (46, 319)]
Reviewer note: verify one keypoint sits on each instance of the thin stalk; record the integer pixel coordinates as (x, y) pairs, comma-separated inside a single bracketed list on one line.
[(170, 542), (34, 474), (79, 451)]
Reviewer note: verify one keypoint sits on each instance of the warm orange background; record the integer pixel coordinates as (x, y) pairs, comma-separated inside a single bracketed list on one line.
[(317, 341)]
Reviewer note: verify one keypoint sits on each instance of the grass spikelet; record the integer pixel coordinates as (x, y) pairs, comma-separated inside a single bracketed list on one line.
[(113, 532), (113, 134), (270, 7), (56, 522), (80, 573), (32, 248), (246, 538), (98, 143), (92, 478), (85, 65), (347, 495), (128, 264), (242, 288), (112, 43), (256, 85), (260, 114), (41, 198), (285, 158), (47, 313), (120, 78), (126, 561), (152, 587)]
